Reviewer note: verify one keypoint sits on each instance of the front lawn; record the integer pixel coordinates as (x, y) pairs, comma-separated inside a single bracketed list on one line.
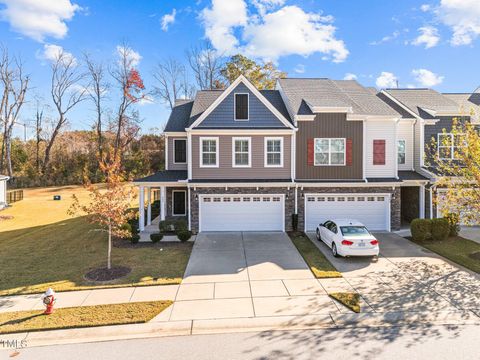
[(457, 249), (82, 316), (43, 247), (318, 263)]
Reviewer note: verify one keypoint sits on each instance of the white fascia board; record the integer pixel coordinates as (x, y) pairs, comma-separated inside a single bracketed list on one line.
[(228, 90), (372, 118), (244, 184), (304, 118), (354, 184), (175, 133), (330, 109), (257, 131), (161, 183)]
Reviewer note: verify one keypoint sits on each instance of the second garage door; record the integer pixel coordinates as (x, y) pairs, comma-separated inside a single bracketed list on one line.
[(241, 213), (371, 210)]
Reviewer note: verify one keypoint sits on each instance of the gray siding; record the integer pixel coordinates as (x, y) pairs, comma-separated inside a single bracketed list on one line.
[(259, 115), (225, 169), (171, 165), (330, 126)]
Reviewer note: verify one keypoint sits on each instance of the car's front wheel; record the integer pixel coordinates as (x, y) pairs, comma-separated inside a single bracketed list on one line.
[(319, 238), (334, 250)]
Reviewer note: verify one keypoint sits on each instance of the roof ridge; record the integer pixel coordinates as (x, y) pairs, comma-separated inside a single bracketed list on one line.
[(348, 96)]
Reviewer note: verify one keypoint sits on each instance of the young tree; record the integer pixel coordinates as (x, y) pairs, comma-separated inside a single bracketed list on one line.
[(263, 76), (456, 156), (108, 208)]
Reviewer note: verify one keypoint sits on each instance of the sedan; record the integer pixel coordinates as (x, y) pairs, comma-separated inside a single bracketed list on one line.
[(348, 238)]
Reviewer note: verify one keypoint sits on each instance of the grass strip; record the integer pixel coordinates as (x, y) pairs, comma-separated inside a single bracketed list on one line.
[(349, 299)]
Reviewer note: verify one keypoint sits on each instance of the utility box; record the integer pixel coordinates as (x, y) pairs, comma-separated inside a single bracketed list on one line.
[(57, 197)]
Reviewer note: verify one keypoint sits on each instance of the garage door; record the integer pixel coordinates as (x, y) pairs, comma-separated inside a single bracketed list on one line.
[(371, 210), (242, 213)]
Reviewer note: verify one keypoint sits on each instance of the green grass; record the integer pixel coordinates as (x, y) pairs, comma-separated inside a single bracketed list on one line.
[(43, 247), (456, 249), (79, 317), (318, 263), (349, 299)]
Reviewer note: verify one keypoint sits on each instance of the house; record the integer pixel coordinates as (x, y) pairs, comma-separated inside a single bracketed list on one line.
[(243, 159), (3, 191)]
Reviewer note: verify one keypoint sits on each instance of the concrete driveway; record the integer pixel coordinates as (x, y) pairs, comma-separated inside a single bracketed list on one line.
[(247, 274)]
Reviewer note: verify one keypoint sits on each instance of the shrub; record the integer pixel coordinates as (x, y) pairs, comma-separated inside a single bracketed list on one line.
[(134, 226), (440, 229), (184, 235), (135, 239), (421, 229), (126, 227), (454, 223), (172, 226), (156, 237), (295, 222)]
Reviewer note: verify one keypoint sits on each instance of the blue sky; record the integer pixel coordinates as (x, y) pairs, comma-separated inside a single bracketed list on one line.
[(431, 43)]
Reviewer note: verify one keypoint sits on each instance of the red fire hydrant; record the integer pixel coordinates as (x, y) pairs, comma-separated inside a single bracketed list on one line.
[(48, 301)]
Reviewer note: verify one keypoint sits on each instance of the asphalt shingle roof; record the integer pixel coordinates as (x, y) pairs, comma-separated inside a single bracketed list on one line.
[(165, 176), (179, 116), (468, 103)]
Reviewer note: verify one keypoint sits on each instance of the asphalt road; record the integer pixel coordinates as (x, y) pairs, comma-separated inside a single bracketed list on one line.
[(412, 342)]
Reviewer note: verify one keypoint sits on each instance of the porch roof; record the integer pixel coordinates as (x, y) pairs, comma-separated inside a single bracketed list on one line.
[(411, 175), (165, 176)]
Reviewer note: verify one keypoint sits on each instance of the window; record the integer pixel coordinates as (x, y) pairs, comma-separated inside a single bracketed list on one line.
[(273, 152), (379, 152), (329, 152), (241, 152), (207, 200), (179, 200), (241, 106), (401, 152), (256, 199), (310, 199), (370, 198), (179, 151), (209, 152), (449, 145), (246, 199)]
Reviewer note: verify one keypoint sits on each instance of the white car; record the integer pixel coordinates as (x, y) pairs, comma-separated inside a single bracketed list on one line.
[(348, 238)]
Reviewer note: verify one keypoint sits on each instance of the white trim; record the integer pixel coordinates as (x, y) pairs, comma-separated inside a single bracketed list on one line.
[(173, 202), (391, 97), (330, 109), (293, 160), (395, 147), (189, 156), (364, 150), (175, 133), (452, 146), (163, 203), (186, 155), (304, 118), (235, 106), (241, 132), (265, 158), (166, 151), (254, 90), (422, 143), (350, 184), (405, 152), (330, 152), (431, 202), (200, 160), (188, 210), (422, 201), (241, 185), (141, 208), (249, 140), (149, 205)]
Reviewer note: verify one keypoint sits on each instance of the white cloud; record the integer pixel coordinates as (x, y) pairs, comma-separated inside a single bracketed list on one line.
[(386, 80), (425, 7), (133, 57), (299, 69), (426, 78), (265, 5), (428, 37), (146, 100), (387, 38), (52, 52), (39, 19), (350, 76), (168, 19), (271, 34), (463, 17)]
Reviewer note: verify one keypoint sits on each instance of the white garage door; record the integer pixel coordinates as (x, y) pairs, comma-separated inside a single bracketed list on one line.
[(241, 213), (371, 210)]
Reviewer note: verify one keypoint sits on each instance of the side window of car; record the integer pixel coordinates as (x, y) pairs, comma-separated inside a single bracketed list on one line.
[(333, 228), (327, 224)]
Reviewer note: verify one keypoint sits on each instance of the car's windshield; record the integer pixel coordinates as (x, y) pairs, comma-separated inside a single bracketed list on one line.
[(354, 230)]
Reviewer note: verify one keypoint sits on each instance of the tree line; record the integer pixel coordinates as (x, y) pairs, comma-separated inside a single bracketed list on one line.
[(58, 155)]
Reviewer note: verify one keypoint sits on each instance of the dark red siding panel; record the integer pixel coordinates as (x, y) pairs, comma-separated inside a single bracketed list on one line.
[(310, 152), (349, 150), (378, 152)]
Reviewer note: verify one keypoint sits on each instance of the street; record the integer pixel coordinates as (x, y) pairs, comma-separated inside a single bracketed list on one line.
[(406, 342)]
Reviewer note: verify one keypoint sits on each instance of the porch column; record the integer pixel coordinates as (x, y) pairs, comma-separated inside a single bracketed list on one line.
[(141, 208), (422, 201), (163, 204), (149, 205)]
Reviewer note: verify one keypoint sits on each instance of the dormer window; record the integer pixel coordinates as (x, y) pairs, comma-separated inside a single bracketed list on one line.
[(241, 107)]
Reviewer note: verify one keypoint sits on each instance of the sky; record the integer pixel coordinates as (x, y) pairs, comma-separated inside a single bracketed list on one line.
[(381, 43)]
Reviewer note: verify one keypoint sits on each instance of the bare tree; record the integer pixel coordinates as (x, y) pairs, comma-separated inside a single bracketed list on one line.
[(171, 81), (15, 85), (97, 90), (67, 92), (206, 64)]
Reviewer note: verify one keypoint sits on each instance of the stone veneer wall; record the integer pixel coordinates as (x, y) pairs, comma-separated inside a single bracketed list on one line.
[(395, 219), (289, 203), (169, 199)]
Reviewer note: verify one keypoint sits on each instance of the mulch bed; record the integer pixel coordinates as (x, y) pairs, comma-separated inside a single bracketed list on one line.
[(104, 274), (126, 244)]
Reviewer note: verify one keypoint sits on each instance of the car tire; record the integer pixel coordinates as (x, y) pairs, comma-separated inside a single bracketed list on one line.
[(319, 238), (334, 250)]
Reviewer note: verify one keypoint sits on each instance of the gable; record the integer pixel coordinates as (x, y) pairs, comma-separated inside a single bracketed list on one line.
[(223, 116)]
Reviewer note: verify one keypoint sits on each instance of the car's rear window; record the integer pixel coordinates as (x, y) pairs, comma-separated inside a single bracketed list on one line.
[(354, 230)]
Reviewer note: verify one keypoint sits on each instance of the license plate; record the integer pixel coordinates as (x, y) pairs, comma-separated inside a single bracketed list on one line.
[(361, 244)]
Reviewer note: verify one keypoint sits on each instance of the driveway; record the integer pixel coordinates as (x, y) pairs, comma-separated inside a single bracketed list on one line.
[(407, 277), (248, 274)]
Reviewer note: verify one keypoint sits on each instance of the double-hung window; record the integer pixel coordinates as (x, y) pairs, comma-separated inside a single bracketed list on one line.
[(208, 152), (449, 145), (329, 152), (274, 152), (241, 152), (241, 107), (401, 152)]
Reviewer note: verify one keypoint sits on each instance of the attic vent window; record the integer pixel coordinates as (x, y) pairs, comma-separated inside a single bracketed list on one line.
[(241, 106)]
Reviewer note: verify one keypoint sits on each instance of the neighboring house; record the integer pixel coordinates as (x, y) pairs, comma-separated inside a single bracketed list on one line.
[(241, 159), (3, 191)]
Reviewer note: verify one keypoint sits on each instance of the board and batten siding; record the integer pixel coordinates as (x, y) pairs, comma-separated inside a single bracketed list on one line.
[(381, 130), (225, 169), (331, 125), (405, 132), (171, 164)]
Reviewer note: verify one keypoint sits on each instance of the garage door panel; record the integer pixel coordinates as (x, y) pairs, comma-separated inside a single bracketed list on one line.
[(241, 213), (371, 210)]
